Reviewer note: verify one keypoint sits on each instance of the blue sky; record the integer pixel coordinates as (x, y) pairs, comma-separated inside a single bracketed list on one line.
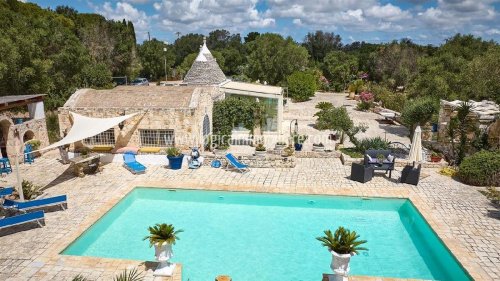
[(423, 21)]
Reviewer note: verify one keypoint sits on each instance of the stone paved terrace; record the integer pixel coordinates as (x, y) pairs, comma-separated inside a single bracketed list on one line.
[(460, 215)]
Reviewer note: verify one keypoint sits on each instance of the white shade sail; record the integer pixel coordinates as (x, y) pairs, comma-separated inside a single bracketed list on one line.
[(416, 146), (86, 127)]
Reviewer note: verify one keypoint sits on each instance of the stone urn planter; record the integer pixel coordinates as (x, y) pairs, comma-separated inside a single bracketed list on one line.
[(340, 266), (260, 153), (343, 244), (163, 255), (318, 147), (162, 236), (280, 146)]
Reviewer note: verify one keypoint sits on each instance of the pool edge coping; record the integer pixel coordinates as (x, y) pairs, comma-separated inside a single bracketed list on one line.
[(462, 255)]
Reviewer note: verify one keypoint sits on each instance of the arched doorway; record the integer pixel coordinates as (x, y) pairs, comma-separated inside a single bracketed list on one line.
[(29, 135), (4, 136)]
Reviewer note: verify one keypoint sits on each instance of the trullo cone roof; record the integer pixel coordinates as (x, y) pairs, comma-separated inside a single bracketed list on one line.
[(205, 70)]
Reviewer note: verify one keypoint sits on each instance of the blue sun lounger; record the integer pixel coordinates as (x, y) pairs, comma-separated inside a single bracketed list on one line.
[(37, 216), (37, 203), (132, 164), (6, 191), (236, 164)]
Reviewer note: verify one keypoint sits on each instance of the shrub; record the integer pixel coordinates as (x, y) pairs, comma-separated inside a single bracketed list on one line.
[(389, 99), (448, 171), (30, 190), (301, 86), (375, 143), (482, 168), (418, 112), (35, 144), (363, 106)]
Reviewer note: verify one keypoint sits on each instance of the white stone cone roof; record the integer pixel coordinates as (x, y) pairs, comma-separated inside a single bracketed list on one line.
[(205, 70)]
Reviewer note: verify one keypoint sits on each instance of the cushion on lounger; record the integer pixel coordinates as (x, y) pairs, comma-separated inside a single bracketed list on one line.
[(150, 149), (127, 148)]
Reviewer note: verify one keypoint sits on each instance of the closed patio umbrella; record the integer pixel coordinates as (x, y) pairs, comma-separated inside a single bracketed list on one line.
[(416, 146)]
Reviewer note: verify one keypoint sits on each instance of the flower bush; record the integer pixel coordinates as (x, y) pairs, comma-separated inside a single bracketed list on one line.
[(366, 100)]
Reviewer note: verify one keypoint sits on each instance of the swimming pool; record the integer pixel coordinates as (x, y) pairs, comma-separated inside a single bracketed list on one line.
[(256, 236)]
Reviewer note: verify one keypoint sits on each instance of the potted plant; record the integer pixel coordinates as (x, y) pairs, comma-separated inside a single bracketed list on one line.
[(84, 152), (288, 151), (174, 156), (280, 145), (260, 150), (380, 158), (298, 141), (162, 237), (436, 157), (318, 147), (343, 244)]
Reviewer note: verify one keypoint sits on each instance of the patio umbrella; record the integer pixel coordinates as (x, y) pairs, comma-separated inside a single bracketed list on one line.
[(416, 146)]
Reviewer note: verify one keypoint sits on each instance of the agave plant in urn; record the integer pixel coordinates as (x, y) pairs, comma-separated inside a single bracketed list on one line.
[(343, 244), (162, 237)]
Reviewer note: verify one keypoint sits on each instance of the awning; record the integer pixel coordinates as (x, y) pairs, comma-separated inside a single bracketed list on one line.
[(86, 127)]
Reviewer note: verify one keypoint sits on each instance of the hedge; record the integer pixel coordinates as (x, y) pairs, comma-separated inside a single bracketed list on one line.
[(482, 168)]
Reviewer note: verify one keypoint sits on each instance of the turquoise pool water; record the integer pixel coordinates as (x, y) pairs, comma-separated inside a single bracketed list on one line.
[(254, 236)]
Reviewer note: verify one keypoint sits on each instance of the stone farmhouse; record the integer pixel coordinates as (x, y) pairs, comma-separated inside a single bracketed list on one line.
[(176, 114), (22, 118)]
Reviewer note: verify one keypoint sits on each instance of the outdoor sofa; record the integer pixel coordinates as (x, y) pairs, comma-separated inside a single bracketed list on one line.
[(387, 164)]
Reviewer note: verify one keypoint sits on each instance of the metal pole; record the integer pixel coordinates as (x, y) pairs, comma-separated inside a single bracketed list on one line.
[(19, 185), (165, 52)]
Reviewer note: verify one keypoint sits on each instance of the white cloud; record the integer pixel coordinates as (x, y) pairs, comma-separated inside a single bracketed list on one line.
[(388, 12), (128, 12), (493, 31), (138, 1), (458, 14), (203, 16), (297, 22), (352, 15)]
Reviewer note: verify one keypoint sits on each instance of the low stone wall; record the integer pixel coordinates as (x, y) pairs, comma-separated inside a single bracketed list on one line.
[(347, 160), (265, 161), (310, 154)]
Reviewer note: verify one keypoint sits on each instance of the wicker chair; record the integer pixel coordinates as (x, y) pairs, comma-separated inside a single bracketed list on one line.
[(361, 173), (410, 174)]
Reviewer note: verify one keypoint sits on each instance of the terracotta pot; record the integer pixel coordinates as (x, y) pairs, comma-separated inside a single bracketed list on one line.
[(436, 159)]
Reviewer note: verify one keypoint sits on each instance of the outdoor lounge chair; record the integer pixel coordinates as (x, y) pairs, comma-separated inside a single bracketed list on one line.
[(132, 164), (236, 164), (37, 216), (6, 191), (361, 173), (60, 200)]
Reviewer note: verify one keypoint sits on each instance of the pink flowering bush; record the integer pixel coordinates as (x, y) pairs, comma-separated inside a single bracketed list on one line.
[(366, 99)]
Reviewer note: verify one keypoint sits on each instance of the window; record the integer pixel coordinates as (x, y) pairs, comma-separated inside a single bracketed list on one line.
[(105, 138), (160, 138)]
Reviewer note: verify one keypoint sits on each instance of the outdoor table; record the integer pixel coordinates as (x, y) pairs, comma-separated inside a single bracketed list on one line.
[(80, 162)]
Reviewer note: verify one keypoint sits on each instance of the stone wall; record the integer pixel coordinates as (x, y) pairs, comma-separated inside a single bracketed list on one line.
[(14, 136), (187, 123), (266, 161)]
